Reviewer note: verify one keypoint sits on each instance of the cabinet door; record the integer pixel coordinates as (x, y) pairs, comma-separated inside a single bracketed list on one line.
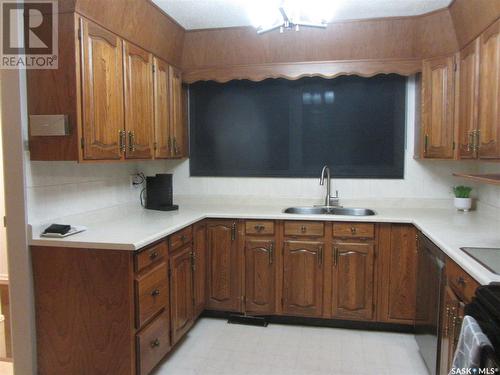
[(224, 291), (303, 278), (259, 276), (181, 284), (102, 93), (398, 276), (179, 131), (200, 267), (437, 108), (162, 145), (138, 102), (352, 289), (489, 93), (468, 95)]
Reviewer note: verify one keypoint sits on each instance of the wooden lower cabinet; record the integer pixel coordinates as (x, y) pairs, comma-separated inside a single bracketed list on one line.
[(224, 268), (303, 278), (260, 270), (199, 267), (182, 292), (153, 342), (353, 280), (397, 264)]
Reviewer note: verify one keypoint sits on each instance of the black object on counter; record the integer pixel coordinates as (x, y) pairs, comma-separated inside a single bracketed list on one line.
[(159, 193), (58, 228)]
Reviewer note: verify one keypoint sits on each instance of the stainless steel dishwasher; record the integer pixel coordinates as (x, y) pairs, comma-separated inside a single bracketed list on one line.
[(430, 286)]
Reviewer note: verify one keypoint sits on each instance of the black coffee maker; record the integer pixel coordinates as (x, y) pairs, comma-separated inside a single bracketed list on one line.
[(159, 193)]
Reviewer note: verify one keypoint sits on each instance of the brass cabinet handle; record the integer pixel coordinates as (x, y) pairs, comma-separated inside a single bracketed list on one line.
[(155, 293), (320, 255), (233, 231), (122, 135), (193, 261), (476, 140), (353, 230), (183, 238), (461, 281), (153, 255), (259, 228), (271, 253), (131, 141), (169, 144), (155, 343), (470, 145), (426, 142), (303, 229), (176, 151), (335, 256)]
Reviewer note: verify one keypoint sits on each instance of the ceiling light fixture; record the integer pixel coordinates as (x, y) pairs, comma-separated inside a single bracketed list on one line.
[(290, 14)]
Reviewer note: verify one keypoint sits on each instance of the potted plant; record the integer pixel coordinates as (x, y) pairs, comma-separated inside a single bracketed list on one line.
[(463, 201)]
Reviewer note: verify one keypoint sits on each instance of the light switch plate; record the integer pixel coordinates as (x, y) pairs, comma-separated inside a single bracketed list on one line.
[(49, 125)]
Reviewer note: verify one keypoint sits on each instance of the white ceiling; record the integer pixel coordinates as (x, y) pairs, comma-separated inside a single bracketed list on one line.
[(205, 14)]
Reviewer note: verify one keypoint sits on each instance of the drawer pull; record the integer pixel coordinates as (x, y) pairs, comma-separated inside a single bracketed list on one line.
[(155, 293), (155, 343), (183, 238), (303, 229), (153, 255), (353, 230), (259, 228), (461, 281)]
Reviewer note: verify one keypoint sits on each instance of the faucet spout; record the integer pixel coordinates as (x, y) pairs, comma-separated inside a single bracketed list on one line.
[(326, 171)]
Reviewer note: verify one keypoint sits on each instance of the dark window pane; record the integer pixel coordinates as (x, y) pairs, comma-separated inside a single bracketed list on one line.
[(292, 128)]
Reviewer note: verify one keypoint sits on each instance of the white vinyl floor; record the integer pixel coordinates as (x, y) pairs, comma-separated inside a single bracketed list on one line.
[(215, 347)]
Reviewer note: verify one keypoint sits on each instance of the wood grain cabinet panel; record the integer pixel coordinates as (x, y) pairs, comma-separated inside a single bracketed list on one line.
[(139, 116), (151, 293), (353, 230), (304, 228), (153, 342), (180, 238), (224, 290), (467, 93), (102, 93), (398, 276), (181, 302), (150, 255), (438, 108), (259, 227), (178, 126), (163, 142), (353, 280), (303, 278), (200, 266), (260, 291), (489, 93)]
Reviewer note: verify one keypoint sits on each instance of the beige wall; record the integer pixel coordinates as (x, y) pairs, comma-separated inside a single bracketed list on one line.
[(3, 242)]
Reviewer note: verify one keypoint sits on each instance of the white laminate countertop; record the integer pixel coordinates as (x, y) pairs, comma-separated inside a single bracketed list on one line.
[(131, 227)]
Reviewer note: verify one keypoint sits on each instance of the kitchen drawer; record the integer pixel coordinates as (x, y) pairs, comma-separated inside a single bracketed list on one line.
[(304, 228), (259, 227), (151, 293), (354, 230), (153, 342), (460, 281), (151, 255), (180, 238)]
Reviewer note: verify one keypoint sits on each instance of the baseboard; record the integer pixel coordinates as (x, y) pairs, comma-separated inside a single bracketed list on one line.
[(320, 322)]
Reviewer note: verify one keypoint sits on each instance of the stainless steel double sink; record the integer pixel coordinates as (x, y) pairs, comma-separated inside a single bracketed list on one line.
[(324, 210)]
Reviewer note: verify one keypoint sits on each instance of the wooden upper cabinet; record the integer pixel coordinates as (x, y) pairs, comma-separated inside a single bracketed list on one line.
[(181, 302), (353, 282), (467, 94), (102, 93), (397, 260), (177, 117), (200, 266), (139, 116), (260, 291), (224, 291), (303, 278), (489, 93), (163, 143), (437, 108)]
